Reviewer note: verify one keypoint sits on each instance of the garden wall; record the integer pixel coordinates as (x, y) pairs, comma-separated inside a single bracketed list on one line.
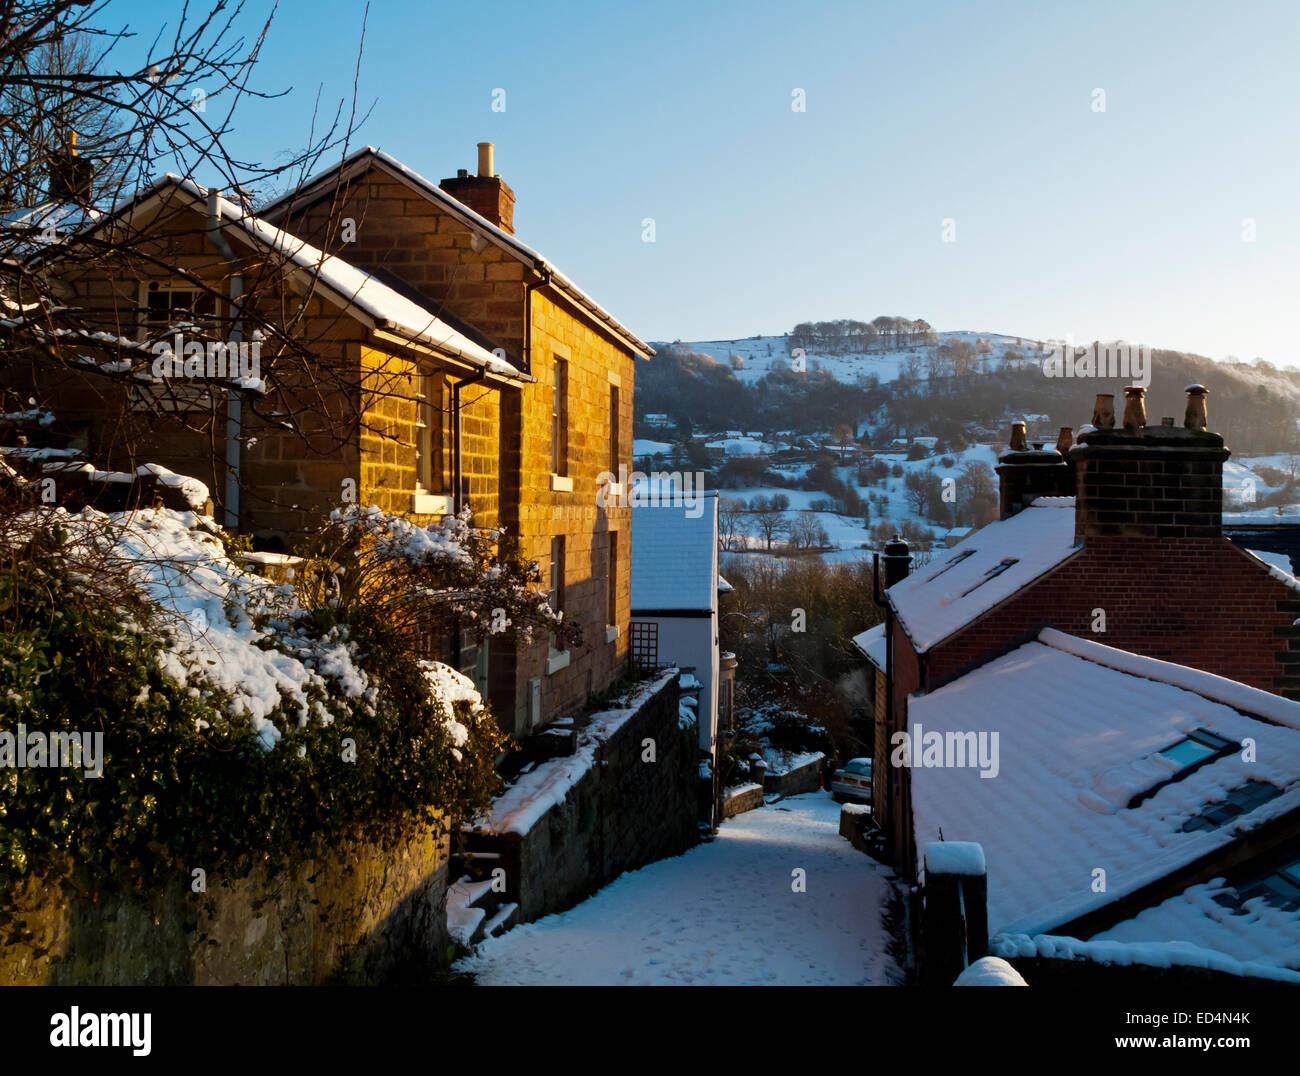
[(372, 916)]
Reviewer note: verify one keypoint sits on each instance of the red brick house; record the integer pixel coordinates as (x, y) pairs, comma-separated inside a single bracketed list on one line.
[(1118, 540)]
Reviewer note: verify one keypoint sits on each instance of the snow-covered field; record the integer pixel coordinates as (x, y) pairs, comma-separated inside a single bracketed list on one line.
[(1243, 487), (725, 913), (762, 354)]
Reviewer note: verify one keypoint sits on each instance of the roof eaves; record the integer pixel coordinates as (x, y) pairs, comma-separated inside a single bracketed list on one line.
[(316, 188)]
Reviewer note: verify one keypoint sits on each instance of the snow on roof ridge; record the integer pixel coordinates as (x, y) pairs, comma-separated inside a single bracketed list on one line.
[(1240, 697), (1052, 502), (500, 234), (387, 306)]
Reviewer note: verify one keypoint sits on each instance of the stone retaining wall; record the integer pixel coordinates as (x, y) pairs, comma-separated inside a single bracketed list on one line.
[(372, 916)]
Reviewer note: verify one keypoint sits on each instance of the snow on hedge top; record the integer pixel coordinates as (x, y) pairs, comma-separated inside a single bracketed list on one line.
[(976, 574), (1076, 741), (211, 602)]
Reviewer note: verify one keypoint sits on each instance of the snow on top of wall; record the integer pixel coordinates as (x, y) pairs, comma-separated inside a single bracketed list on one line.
[(968, 580), (955, 857), (534, 793), (1076, 741), (674, 556), (990, 971)]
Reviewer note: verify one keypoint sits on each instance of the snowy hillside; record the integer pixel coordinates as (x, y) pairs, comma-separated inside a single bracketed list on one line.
[(763, 354)]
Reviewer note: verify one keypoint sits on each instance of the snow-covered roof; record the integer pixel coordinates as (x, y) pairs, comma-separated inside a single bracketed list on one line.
[(358, 161), (1209, 916), (977, 573), (352, 288), (1080, 728), (675, 556), (27, 226), (872, 643)]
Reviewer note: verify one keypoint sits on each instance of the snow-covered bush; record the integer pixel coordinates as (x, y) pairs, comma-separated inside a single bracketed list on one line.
[(241, 724)]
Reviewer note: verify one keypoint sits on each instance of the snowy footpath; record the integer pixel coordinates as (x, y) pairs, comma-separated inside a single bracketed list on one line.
[(778, 898)]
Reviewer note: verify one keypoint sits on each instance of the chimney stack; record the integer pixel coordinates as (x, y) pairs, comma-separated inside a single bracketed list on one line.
[(70, 175), (1025, 473), (897, 559), (486, 193), (1150, 481)]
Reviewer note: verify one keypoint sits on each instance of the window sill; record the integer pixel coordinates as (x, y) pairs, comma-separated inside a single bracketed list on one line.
[(611, 633), (561, 483), (556, 662), (431, 504)]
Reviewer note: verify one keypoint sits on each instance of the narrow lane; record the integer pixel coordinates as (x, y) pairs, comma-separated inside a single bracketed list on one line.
[(732, 912)]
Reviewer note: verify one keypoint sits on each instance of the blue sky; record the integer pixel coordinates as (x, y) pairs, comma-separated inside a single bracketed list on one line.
[(1069, 222)]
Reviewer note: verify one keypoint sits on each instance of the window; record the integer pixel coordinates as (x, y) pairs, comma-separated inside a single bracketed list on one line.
[(560, 419), (1281, 888), (1189, 754), (167, 307), (1196, 748), (428, 464), (952, 563), (992, 573), (613, 433), (645, 644), (611, 580), (555, 591), (1241, 800)]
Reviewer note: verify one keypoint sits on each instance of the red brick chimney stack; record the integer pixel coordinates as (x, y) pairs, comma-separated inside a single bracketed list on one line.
[(1150, 481), (486, 193), (1025, 473)]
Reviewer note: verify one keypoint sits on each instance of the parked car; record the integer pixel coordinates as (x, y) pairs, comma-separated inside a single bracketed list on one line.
[(852, 781)]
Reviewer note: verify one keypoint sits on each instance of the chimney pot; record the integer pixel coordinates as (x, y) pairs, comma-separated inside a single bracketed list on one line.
[(1196, 418), (1135, 408), (1103, 411), (1064, 440), (1167, 420), (462, 173), (485, 160), (897, 560), (1018, 437)]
